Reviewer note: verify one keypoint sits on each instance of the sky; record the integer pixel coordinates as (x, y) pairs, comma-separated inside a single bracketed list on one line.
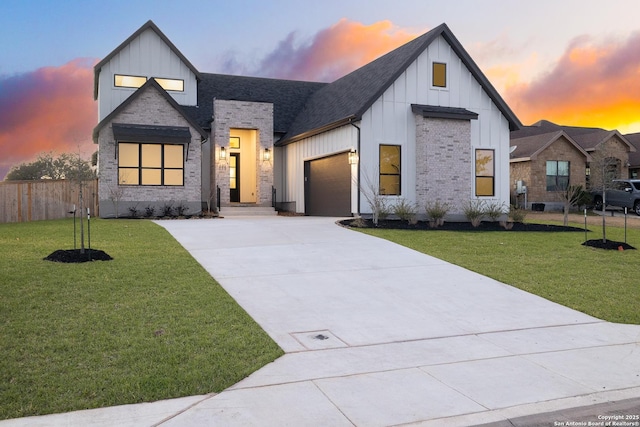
[(573, 62)]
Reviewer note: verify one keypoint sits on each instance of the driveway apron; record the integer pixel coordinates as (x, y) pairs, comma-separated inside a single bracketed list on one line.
[(378, 334)]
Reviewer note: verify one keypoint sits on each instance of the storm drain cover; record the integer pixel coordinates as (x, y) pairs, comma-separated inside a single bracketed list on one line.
[(319, 340)]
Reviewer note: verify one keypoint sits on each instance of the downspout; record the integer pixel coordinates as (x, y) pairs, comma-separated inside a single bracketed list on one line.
[(358, 151)]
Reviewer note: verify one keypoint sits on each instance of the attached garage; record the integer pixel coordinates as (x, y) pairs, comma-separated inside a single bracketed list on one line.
[(327, 186)]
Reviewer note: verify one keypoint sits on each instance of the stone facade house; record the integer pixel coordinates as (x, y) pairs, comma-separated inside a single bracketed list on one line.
[(421, 124), (545, 158), (634, 157)]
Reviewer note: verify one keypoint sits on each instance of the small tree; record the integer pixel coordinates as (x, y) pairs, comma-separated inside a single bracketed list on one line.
[(573, 195), (604, 168), (377, 202)]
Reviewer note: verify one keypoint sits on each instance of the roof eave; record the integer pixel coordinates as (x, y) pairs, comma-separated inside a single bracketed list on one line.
[(317, 131)]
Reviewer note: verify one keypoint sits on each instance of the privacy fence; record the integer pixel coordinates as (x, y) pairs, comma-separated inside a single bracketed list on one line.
[(22, 201)]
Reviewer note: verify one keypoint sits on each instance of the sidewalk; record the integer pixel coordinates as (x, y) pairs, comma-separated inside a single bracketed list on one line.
[(376, 334)]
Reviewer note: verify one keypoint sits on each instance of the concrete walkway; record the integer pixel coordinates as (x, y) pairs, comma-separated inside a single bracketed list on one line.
[(376, 334)]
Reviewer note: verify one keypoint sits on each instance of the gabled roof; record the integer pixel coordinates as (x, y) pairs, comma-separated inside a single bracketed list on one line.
[(150, 84), (529, 147), (149, 25), (634, 157), (349, 97), (287, 96), (588, 138)]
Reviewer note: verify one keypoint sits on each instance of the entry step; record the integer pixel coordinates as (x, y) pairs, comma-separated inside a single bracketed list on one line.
[(227, 211)]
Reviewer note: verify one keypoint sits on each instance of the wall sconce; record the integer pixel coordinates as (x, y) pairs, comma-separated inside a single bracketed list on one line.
[(223, 154), (266, 155), (353, 157)]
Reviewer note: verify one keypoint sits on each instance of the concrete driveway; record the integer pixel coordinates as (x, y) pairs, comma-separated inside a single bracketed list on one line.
[(376, 334)]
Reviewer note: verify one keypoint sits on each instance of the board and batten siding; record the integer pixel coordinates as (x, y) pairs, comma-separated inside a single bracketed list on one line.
[(391, 121), (149, 56), (290, 164)]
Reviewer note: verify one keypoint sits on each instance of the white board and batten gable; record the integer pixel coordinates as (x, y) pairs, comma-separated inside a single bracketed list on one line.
[(381, 99), (148, 53), (390, 119)]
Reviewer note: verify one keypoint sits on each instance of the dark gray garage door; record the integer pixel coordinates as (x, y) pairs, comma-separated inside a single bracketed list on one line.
[(327, 186)]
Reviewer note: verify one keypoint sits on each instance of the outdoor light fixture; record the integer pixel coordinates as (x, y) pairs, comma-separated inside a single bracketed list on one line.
[(223, 153), (266, 155), (353, 157)]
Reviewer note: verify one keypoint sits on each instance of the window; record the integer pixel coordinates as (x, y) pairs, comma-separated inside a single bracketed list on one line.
[(174, 85), (121, 80), (485, 173), (150, 164), (557, 175), (389, 170), (234, 142), (439, 74)]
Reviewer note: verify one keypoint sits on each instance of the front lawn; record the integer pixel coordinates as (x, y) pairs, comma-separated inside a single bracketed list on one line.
[(151, 324), (553, 265)]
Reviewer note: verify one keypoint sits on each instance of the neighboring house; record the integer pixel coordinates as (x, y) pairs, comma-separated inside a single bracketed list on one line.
[(634, 157), (546, 158), (421, 123)]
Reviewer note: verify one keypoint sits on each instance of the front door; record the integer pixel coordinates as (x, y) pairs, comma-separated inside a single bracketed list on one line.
[(234, 177)]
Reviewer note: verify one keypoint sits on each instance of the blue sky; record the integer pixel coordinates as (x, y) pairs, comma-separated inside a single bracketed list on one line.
[(569, 61)]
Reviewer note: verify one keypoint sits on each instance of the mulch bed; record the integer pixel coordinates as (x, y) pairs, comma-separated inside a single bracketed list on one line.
[(484, 226), (74, 256)]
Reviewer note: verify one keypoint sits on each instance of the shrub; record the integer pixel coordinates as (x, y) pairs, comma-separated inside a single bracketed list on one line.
[(133, 211), (436, 212), (181, 209), (517, 214), (494, 210), (474, 211), (167, 210), (405, 210), (149, 211)]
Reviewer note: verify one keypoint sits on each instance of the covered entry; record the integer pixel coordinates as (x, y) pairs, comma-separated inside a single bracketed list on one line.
[(327, 186)]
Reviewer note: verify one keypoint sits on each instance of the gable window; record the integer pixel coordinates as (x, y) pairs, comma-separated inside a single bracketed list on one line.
[(174, 85), (121, 80), (439, 74), (485, 173), (557, 175), (150, 164), (389, 167)]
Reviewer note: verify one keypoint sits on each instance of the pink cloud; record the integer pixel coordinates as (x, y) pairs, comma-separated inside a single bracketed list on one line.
[(49, 109), (592, 84), (330, 54)]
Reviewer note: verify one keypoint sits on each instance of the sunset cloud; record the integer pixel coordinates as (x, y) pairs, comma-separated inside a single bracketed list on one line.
[(50, 109), (330, 54), (592, 84)]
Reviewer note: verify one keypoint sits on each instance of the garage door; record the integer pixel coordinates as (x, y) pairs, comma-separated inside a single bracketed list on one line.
[(327, 186)]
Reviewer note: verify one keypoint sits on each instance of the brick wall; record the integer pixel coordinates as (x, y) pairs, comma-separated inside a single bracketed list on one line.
[(443, 162), (149, 108), (243, 115)]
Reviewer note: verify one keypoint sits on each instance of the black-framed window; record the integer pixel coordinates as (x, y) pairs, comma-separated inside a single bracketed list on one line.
[(485, 172), (390, 168), (439, 74), (150, 164), (557, 175)]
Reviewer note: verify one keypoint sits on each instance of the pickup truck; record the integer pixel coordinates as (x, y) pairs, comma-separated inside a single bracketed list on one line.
[(624, 193)]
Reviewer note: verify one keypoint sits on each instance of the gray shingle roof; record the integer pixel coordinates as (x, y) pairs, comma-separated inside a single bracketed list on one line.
[(528, 147), (350, 96), (287, 96), (588, 138)]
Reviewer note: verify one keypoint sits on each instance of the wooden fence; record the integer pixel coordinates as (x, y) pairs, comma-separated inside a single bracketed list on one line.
[(22, 201)]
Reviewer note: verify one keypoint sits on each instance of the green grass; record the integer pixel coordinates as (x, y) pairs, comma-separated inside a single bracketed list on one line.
[(150, 324), (553, 265)]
